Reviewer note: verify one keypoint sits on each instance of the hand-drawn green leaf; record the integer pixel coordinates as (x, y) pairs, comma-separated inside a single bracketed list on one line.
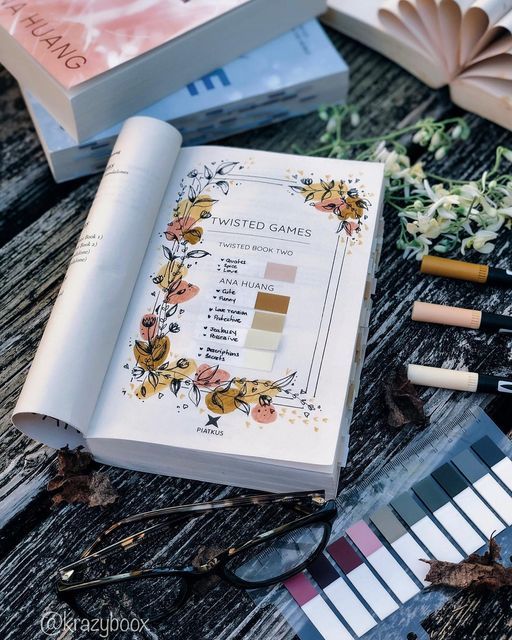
[(207, 374), (207, 173), (192, 195), (282, 383), (197, 253), (153, 379), (194, 395), (225, 168), (175, 386), (242, 406), (223, 186), (167, 253)]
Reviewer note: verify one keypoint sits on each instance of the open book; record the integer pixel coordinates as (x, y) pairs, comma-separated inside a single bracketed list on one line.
[(466, 44), (212, 321)]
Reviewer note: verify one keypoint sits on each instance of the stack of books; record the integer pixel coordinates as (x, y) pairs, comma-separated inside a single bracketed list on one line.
[(290, 76), (84, 68)]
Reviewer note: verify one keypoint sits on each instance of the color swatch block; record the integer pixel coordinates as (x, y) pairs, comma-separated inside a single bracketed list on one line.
[(281, 272), (272, 302), (268, 321)]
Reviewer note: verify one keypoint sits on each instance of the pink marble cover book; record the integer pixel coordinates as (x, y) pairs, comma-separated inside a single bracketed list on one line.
[(75, 40)]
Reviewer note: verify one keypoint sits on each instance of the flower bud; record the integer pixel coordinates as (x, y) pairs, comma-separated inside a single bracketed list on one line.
[(331, 125), (456, 132), (436, 140), (440, 153), (354, 119)]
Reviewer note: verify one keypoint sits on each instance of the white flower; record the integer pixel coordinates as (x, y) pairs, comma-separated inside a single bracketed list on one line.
[(479, 241)]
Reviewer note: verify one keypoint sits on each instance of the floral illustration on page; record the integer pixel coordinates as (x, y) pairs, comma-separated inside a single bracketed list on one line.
[(156, 372)]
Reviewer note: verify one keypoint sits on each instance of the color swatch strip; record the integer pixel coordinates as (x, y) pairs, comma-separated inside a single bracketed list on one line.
[(238, 344), (377, 565), (316, 609)]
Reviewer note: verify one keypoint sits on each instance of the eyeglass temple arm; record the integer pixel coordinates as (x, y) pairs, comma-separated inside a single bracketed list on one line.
[(242, 501), (183, 511)]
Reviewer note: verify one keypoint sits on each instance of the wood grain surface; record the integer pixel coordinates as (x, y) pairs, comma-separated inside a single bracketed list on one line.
[(39, 225)]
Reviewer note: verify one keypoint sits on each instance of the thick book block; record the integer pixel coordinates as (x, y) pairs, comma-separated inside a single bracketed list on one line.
[(93, 64), (213, 318)]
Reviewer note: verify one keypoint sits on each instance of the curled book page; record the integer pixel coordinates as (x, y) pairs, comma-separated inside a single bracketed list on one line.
[(454, 33), (62, 388)]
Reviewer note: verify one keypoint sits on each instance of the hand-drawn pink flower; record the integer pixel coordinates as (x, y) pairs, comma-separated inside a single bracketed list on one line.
[(148, 326), (331, 205), (177, 228), (350, 226), (185, 292), (210, 376), (264, 414)]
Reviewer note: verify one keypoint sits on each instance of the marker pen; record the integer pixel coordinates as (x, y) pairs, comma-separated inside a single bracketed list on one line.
[(457, 380), (460, 317), (460, 270)]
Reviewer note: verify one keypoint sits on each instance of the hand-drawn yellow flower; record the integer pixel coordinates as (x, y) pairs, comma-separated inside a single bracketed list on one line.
[(151, 355)]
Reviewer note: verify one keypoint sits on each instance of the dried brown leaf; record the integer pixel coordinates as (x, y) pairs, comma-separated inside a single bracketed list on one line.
[(403, 402), (77, 481), (475, 572)]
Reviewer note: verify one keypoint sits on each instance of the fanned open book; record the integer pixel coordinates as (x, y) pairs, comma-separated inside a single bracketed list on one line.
[(212, 321), (466, 44)]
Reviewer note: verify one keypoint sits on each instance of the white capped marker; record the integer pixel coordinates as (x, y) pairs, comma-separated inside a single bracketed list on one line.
[(457, 380)]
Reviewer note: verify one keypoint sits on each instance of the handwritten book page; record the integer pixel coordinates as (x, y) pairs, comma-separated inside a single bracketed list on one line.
[(240, 335), (61, 390)]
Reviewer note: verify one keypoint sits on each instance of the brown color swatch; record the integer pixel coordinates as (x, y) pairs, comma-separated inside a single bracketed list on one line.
[(272, 302)]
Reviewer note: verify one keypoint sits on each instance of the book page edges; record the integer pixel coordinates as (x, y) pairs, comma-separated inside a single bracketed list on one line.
[(64, 381), (360, 21), (488, 98)]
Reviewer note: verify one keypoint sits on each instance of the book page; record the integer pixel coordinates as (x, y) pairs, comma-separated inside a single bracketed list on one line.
[(63, 384), (488, 97), (241, 332), (388, 34)]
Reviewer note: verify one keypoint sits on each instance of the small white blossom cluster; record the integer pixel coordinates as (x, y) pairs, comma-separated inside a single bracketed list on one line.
[(436, 214), (449, 215)]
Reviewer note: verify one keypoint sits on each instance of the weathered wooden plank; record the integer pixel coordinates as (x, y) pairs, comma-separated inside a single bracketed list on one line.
[(47, 222)]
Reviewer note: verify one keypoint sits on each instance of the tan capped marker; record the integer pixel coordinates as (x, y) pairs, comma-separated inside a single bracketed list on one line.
[(460, 317), (441, 314), (460, 270), (457, 269)]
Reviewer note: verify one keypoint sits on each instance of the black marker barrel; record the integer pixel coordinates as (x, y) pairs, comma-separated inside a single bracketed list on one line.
[(493, 384), (502, 277), (496, 322)]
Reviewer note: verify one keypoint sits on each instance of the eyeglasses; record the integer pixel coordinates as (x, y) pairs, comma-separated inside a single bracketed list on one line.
[(104, 579)]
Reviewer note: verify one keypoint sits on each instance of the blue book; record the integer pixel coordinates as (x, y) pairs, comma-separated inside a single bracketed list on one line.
[(289, 76)]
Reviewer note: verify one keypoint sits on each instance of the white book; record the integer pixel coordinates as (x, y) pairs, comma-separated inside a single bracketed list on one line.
[(210, 321), (92, 64), (466, 44), (290, 76)]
